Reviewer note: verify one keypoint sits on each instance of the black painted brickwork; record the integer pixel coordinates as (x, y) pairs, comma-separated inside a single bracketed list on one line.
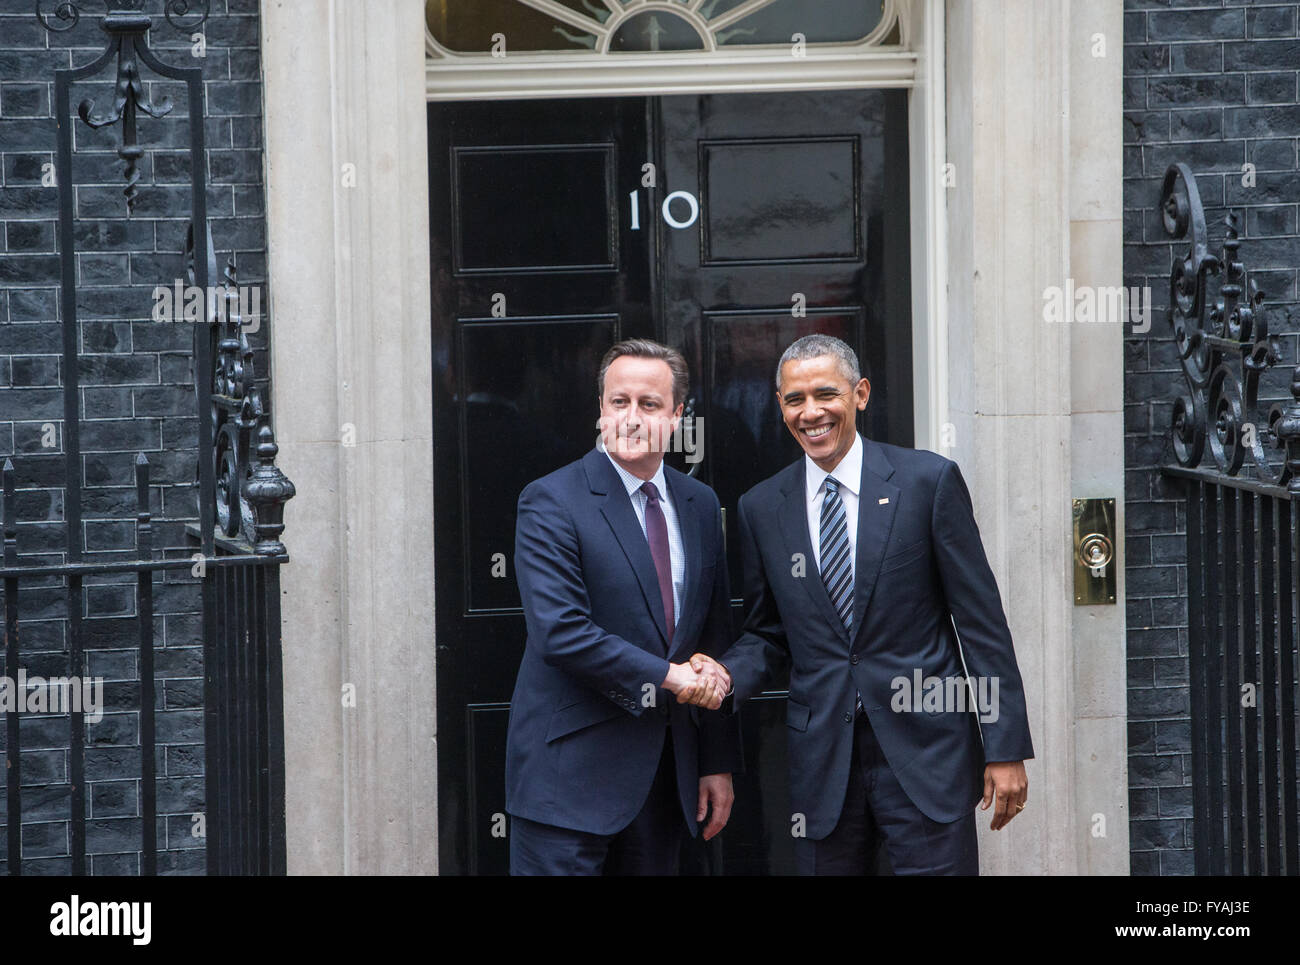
[(137, 395), (1213, 85)]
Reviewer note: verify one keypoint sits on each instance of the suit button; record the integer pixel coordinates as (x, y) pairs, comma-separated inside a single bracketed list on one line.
[(848, 718), (853, 658)]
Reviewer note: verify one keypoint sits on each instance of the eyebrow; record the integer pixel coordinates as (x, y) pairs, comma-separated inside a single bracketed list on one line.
[(789, 396), (645, 396)]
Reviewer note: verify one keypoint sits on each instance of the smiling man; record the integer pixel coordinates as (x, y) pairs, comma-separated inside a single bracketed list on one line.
[(859, 559), (615, 747)]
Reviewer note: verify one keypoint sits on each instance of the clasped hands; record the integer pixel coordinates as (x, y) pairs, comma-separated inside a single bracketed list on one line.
[(703, 682)]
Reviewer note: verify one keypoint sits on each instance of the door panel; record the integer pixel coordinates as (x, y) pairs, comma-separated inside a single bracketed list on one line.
[(512, 422), (805, 188), (533, 280), (501, 230), (803, 228), (790, 216)]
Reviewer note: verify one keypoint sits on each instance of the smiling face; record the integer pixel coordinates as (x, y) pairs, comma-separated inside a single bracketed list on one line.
[(819, 405), (637, 417)]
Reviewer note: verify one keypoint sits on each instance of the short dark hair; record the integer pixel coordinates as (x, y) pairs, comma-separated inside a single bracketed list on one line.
[(644, 348)]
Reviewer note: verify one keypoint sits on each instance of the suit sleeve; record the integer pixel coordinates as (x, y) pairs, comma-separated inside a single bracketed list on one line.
[(762, 650), (720, 746), (557, 609), (977, 614)]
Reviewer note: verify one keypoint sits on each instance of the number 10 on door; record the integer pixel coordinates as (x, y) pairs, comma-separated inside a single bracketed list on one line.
[(666, 209)]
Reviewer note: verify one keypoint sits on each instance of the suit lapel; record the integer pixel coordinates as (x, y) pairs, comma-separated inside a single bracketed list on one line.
[(877, 503), (793, 514), (618, 512), (689, 523)]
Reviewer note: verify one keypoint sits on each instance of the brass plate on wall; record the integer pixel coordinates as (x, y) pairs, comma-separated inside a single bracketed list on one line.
[(1095, 563)]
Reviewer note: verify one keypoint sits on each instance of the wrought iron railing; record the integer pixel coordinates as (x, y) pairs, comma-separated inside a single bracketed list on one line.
[(241, 501), (1243, 529)]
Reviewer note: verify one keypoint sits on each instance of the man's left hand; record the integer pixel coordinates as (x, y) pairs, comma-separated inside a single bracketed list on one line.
[(715, 789), (1009, 780)]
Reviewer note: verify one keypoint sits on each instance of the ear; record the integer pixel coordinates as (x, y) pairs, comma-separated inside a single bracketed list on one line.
[(677, 415), (862, 392)]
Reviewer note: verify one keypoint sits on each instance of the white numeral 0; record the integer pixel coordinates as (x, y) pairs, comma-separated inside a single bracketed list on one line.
[(690, 199)]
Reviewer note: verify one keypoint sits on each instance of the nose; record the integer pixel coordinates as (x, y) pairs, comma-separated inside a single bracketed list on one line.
[(810, 411)]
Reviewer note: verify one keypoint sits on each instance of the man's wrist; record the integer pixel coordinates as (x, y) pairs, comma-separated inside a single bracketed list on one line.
[(679, 678), (668, 683)]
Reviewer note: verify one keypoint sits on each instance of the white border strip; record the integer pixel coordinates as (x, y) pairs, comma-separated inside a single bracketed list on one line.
[(694, 72)]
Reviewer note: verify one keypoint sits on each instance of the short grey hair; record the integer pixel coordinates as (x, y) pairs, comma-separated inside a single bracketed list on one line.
[(814, 347)]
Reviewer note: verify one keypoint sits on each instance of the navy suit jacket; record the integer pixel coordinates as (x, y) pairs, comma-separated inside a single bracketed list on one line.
[(920, 568), (587, 717)]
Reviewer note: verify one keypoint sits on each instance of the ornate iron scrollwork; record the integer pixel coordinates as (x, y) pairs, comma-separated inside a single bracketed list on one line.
[(127, 99), (127, 26), (1225, 348), (247, 493), (250, 494), (66, 14), (186, 16)]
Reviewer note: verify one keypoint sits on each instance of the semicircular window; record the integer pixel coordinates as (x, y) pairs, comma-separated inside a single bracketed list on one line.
[(646, 26)]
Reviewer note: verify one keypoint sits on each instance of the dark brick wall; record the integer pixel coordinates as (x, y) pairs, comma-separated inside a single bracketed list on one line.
[(137, 395), (1213, 85)]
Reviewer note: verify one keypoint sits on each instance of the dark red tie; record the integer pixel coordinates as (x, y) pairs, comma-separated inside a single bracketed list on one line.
[(656, 531)]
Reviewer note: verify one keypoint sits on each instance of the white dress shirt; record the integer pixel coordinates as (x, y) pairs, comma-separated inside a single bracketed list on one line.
[(849, 476), (676, 550)]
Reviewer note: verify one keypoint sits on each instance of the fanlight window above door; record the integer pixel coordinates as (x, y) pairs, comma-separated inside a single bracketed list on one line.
[(477, 27)]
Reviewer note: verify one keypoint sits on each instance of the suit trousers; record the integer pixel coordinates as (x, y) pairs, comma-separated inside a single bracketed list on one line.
[(877, 811), (649, 845)]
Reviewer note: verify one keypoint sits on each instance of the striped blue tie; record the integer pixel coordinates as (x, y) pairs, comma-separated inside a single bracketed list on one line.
[(837, 568)]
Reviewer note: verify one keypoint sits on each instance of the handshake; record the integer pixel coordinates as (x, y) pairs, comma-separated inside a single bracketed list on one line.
[(703, 682)]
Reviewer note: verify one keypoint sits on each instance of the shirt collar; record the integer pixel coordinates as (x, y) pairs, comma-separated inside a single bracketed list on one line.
[(848, 473), (632, 483)]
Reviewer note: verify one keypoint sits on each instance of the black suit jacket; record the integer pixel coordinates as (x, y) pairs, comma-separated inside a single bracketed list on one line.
[(587, 717), (920, 568)]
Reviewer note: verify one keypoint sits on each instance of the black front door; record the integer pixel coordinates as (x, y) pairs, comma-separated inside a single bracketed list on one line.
[(724, 225)]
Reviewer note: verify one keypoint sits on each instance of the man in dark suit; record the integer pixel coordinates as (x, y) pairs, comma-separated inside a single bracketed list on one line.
[(859, 559), (615, 747)]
